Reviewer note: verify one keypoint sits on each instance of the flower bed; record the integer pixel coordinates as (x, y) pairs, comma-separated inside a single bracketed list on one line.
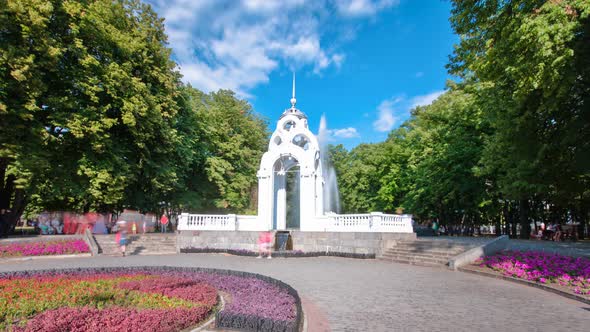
[(545, 268), (282, 254), (43, 248), (143, 299)]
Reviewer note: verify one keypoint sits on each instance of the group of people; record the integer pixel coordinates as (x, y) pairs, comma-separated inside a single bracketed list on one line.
[(48, 225), (553, 232), (454, 230), (121, 230), (459, 230)]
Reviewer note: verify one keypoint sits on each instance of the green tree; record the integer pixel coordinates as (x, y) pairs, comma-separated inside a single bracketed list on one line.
[(237, 139), (530, 62), (368, 176), (87, 105), (222, 144), (445, 143)]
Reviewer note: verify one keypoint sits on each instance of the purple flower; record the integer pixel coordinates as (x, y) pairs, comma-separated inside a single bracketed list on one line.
[(42, 248), (543, 268)]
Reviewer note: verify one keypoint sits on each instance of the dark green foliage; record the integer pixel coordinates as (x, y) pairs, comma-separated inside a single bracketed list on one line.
[(508, 144), (93, 116)]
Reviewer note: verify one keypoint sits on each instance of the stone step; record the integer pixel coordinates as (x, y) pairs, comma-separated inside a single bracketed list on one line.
[(129, 252), (150, 244), (424, 248), (134, 253), (430, 248), (432, 245), (430, 251), (412, 262), (137, 245), (425, 254), (441, 242), (148, 241), (428, 259), (142, 249), (411, 254), (152, 238)]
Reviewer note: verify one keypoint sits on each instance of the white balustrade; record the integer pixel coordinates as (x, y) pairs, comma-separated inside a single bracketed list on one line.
[(397, 223), (207, 222), (373, 222), (370, 222), (352, 222), (250, 223)]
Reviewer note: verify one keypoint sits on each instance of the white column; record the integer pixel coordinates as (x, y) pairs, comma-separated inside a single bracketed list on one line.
[(306, 201), (281, 203), (265, 201), (319, 195)]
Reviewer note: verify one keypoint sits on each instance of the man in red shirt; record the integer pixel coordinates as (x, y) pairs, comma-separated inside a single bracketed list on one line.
[(264, 244), (164, 222)]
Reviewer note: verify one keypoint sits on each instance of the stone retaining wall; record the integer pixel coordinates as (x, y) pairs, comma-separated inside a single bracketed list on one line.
[(486, 249), (343, 242)]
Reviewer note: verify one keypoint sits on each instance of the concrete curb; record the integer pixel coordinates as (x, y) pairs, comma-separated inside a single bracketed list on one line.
[(41, 238), (314, 319), (528, 283), (91, 242), (205, 326), (30, 258), (486, 249)]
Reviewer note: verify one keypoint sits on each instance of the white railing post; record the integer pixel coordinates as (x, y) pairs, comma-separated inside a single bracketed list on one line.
[(232, 222), (375, 221), (408, 222), (183, 222)]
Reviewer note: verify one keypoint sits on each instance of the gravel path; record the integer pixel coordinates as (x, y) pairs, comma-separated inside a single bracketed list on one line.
[(370, 295)]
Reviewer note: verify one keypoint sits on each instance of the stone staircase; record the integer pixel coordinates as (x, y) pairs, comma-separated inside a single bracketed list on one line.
[(425, 252), (140, 244)]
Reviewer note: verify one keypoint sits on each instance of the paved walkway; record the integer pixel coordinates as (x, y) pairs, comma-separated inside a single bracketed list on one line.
[(369, 295), (577, 249)]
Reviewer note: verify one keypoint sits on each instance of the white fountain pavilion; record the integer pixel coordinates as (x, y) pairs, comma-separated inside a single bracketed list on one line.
[(292, 146)]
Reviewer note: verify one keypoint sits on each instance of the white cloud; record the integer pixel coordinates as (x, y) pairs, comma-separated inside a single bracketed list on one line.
[(426, 99), (270, 5), (386, 119), (236, 45), (349, 132), (391, 111), (338, 59), (360, 8)]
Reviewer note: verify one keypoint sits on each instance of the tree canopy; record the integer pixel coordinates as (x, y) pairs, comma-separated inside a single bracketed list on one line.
[(94, 117), (508, 142)]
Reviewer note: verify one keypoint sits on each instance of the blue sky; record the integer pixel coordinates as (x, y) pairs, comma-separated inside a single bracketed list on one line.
[(363, 63)]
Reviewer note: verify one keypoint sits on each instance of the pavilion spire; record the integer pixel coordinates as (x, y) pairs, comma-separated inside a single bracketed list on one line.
[(293, 100)]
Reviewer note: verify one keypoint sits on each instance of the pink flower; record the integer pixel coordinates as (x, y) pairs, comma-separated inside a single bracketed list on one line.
[(543, 268)]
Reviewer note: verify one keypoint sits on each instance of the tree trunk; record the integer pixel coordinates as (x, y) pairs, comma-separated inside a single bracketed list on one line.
[(582, 218), (505, 217), (12, 200), (497, 224), (524, 216), (6, 185), (511, 218)]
